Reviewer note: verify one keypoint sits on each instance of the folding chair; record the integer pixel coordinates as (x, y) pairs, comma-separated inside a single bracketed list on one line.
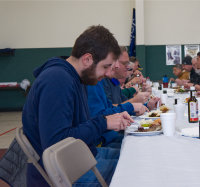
[(67, 160), (31, 154)]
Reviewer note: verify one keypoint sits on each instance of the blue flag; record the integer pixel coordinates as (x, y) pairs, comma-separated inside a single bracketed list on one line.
[(132, 48)]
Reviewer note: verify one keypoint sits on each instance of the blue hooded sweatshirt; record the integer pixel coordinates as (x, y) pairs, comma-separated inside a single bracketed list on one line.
[(57, 108), (100, 104)]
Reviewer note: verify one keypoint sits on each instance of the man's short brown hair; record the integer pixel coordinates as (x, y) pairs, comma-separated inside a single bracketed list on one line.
[(178, 66), (98, 41)]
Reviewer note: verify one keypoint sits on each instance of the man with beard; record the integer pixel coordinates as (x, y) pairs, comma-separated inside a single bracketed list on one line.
[(100, 104), (56, 106)]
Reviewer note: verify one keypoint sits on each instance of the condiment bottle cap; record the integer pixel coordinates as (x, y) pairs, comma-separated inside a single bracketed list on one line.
[(192, 88)]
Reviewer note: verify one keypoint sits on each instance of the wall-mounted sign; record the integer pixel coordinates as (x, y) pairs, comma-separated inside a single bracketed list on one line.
[(173, 54), (191, 50)]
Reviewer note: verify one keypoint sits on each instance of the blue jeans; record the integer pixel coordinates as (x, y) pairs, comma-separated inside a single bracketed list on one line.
[(116, 142), (107, 159)]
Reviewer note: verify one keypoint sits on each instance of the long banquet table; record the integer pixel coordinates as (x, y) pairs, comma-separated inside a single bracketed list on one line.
[(159, 161)]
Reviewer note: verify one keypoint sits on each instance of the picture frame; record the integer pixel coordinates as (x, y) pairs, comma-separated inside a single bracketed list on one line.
[(191, 50), (173, 54)]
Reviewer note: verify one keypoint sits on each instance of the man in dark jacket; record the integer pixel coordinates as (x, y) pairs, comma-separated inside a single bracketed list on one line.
[(113, 90), (194, 74), (56, 107)]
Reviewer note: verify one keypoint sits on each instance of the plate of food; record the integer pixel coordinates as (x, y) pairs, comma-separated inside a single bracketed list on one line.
[(155, 114), (146, 128), (181, 90)]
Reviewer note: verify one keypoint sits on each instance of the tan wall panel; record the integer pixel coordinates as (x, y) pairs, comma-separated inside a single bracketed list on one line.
[(38, 24), (171, 22)]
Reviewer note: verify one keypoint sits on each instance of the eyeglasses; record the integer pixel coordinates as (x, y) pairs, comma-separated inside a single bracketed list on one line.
[(125, 63)]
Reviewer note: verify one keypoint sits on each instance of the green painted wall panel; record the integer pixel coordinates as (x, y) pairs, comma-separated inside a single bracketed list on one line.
[(153, 60), (156, 63), (21, 66), (12, 99), (141, 56)]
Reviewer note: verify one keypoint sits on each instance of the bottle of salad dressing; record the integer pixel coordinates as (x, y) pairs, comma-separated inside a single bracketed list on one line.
[(192, 107)]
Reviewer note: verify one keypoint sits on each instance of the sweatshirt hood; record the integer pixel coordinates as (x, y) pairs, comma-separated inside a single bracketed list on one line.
[(55, 61)]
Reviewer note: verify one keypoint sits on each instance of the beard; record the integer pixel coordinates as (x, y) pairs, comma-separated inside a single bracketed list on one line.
[(88, 76), (197, 71), (120, 75)]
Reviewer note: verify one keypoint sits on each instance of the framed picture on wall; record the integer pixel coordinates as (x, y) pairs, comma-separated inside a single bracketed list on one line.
[(191, 50), (173, 54)]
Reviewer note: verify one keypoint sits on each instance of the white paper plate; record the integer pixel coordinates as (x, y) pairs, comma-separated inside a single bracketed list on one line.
[(133, 128), (145, 116), (150, 133)]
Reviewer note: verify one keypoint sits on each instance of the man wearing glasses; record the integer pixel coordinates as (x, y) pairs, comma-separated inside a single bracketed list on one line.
[(100, 104)]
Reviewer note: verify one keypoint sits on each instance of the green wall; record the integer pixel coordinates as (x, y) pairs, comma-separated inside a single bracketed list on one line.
[(153, 56), (140, 53), (11, 99), (22, 64)]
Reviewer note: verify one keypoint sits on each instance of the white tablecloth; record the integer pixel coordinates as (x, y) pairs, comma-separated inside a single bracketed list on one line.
[(158, 161)]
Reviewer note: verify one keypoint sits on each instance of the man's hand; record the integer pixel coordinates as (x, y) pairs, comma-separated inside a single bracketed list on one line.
[(139, 108), (188, 85), (172, 80), (137, 72), (141, 97), (179, 82), (185, 81), (197, 87), (118, 121), (153, 103), (136, 80), (146, 88), (198, 93)]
